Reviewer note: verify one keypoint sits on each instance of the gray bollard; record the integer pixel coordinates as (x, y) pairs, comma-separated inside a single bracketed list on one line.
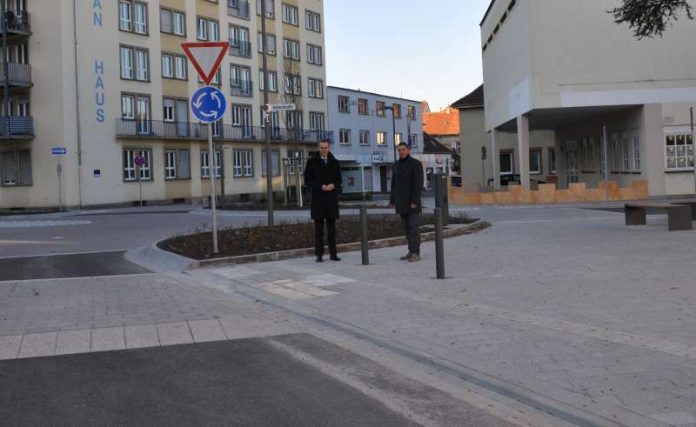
[(439, 245), (364, 245)]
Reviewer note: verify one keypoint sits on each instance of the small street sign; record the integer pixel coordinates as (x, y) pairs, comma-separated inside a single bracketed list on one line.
[(281, 107), (208, 104), (139, 160), (206, 57), (59, 151)]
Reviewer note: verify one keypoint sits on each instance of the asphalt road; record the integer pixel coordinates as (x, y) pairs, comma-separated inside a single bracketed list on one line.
[(244, 382)]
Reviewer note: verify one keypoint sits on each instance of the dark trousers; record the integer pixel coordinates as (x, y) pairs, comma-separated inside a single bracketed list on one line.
[(412, 229), (319, 236)]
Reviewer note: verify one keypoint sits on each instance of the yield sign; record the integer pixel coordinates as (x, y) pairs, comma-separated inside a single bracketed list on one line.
[(206, 57)]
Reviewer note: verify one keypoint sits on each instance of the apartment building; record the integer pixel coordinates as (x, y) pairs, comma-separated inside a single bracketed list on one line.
[(564, 66), (108, 81), (366, 126)]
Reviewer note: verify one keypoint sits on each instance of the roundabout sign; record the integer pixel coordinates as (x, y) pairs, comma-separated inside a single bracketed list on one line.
[(208, 104)]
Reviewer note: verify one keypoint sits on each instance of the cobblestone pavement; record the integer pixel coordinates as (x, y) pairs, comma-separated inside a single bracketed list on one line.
[(556, 304)]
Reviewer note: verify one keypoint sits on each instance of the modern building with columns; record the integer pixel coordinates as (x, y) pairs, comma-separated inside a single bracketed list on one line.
[(108, 80), (564, 67)]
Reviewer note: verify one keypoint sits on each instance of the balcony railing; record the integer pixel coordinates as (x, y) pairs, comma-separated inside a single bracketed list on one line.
[(243, 88), (16, 127), (20, 75), (17, 23), (238, 8), (155, 129), (240, 48)]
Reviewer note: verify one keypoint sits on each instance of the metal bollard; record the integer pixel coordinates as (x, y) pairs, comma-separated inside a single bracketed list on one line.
[(439, 245), (364, 245)]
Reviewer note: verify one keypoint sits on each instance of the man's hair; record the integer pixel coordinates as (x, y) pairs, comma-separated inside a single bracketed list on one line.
[(324, 141), (403, 144)]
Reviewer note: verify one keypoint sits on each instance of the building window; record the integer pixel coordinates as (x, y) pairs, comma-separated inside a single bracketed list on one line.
[(275, 159), (316, 121), (240, 44), (180, 67), (535, 162), (364, 137), (243, 163), (398, 138), (381, 138), (205, 164), (679, 151), (291, 49), (626, 154), (172, 22), (132, 17), (272, 81), (312, 21), (344, 136), (293, 119), (552, 160), (129, 166), (314, 54), (176, 164), (316, 88), (380, 109), (293, 84), (636, 154), (137, 107), (343, 104), (506, 163), (616, 154), (291, 15), (134, 59), (411, 113), (168, 106), (363, 107), (270, 8), (15, 168), (240, 80), (208, 30), (413, 142), (270, 45), (167, 66), (397, 110)]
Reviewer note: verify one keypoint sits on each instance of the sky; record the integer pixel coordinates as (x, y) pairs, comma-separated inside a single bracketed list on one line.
[(418, 49)]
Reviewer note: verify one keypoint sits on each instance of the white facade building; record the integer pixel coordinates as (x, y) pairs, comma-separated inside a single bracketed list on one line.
[(364, 139), (565, 66)]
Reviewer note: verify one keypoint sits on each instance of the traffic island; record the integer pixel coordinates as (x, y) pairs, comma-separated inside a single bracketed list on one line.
[(296, 240)]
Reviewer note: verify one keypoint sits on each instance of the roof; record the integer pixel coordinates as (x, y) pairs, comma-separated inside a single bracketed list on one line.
[(432, 146), (485, 15), (445, 122), (372, 93), (473, 100)]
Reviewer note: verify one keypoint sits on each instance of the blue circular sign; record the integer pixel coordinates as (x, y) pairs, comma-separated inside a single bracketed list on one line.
[(208, 104)]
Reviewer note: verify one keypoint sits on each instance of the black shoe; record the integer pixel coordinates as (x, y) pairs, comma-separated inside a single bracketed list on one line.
[(320, 259), (335, 258)]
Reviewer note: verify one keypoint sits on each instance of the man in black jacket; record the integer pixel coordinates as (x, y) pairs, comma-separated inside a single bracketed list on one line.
[(407, 185), (323, 176)]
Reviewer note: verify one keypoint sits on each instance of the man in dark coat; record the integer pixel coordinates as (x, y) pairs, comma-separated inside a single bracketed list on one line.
[(323, 176), (407, 185)]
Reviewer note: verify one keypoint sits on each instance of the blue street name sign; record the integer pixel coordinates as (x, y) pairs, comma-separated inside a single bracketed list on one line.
[(59, 151), (208, 104)]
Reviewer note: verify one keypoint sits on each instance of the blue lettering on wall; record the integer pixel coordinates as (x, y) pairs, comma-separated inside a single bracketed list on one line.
[(99, 91), (97, 13)]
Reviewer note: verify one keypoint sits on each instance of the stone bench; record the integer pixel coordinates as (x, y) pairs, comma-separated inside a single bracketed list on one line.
[(678, 216)]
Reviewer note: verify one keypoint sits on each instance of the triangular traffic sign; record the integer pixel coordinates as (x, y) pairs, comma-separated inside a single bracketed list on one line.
[(206, 57)]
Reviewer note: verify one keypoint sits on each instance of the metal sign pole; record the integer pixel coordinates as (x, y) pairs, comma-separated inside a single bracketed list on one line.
[(59, 171), (213, 192), (267, 135)]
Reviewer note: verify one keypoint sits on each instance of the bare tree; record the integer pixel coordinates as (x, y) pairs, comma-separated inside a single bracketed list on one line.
[(649, 18)]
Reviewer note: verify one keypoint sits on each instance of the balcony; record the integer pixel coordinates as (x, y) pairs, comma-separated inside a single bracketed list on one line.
[(240, 48), (187, 131), (17, 23), (243, 88), (238, 9), (19, 75), (16, 127)]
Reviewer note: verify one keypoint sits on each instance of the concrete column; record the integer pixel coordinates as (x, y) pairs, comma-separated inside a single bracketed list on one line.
[(523, 149), (560, 163), (494, 160)]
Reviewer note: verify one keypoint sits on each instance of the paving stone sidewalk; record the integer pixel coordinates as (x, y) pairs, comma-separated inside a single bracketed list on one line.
[(565, 303)]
